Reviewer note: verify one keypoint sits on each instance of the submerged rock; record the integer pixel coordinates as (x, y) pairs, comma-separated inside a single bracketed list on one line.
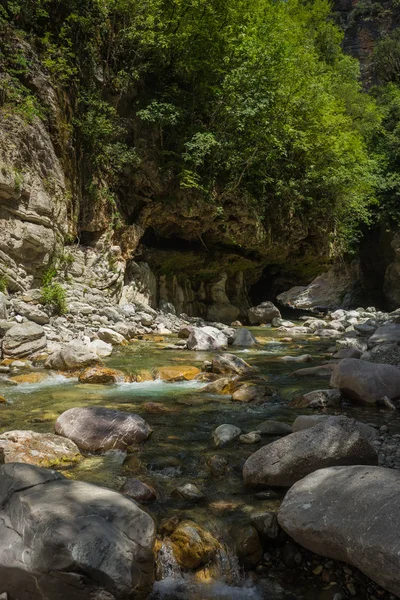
[(23, 340), (352, 514), (138, 491), (252, 392), (247, 545), (96, 428), (271, 427), (225, 434), (177, 373), (244, 337), (366, 382), (189, 492), (41, 449), (318, 399), (71, 540), (263, 313), (336, 441)]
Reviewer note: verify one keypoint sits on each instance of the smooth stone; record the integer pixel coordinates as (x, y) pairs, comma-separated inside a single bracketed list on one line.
[(101, 375), (177, 373), (271, 427), (229, 364), (263, 313), (243, 337), (41, 449), (189, 492), (351, 514), (138, 490), (366, 382), (97, 428), (225, 434), (335, 441), (250, 438)]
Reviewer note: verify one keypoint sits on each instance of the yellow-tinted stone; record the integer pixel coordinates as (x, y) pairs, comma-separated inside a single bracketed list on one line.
[(177, 373), (29, 378), (143, 375)]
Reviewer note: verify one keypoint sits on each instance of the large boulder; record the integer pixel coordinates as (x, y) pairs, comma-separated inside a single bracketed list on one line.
[(32, 312), (387, 334), (71, 540), (387, 354), (97, 428), (206, 338), (75, 355), (263, 313), (335, 441), (366, 382), (243, 337), (23, 340), (41, 449), (111, 337), (351, 514), (307, 421)]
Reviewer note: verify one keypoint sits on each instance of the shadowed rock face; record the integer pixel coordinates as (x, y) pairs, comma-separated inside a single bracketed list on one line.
[(335, 441), (97, 428), (350, 514), (71, 540)]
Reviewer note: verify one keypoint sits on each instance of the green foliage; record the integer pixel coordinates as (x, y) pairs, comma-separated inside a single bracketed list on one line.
[(386, 58), (52, 293), (246, 101), (3, 283)]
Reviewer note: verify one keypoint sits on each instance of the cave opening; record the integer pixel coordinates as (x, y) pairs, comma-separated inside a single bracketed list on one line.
[(152, 239)]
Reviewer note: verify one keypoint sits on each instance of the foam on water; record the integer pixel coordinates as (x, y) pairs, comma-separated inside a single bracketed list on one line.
[(182, 589)]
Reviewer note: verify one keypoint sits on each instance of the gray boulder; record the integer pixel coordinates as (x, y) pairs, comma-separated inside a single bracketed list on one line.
[(244, 337), (263, 313), (75, 355), (387, 334), (351, 514), (366, 382), (387, 354), (96, 428), (206, 338), (23, 340), (71, 540), (41, 449), (111, 337), (318, 399), (32, 312), (336, 441)]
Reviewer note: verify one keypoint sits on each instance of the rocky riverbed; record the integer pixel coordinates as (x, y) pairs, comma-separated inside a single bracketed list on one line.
[(204, 426)]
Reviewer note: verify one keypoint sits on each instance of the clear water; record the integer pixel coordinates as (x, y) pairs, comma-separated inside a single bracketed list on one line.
[(181, 442)]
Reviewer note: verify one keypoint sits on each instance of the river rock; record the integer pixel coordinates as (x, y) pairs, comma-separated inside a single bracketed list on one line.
[(247, 545), (253, 437), (23, 340), (206, 338), (336, 441), (226, 364), (102, 349), (32, 312), (185, 331), (307, 421), (263, 313), (192, 545), (271, 427), (177, 373), (138, 491), (71, 356), (319, 371), (225, 434), (351, 514), (252, 392), (387, 334), (101, 375), (266, 524), (302, 358), (318, 399), (189, 492), (366, 382), (97, 428), (111, 337), (244, 337), (347, 353), (71, 540), (41, 449)]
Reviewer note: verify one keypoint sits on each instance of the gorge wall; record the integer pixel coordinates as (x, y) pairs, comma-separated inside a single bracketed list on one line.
[(207, 259)]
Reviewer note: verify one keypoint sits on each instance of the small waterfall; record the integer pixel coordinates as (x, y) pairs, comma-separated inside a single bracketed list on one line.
[(223, 579)]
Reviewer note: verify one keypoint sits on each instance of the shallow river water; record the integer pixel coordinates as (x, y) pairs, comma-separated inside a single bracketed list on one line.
[(180, 445)]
